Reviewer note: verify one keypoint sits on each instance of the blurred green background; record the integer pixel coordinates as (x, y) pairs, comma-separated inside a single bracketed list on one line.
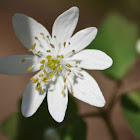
[(118, 23)]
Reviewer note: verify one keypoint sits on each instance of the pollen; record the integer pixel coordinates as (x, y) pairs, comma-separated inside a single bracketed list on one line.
[(35, 80), (29, 68), (51, 75), (42, 91), (42, 61), (23, 60), (33, 46), (38, 86), (59, 68), (41, 67)]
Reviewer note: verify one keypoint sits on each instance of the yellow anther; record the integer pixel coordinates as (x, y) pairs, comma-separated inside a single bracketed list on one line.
[(23, 60), (38, 86), (69, 70), (35, 80), (62, 56), (59, 68), (54, 36), (42, 61), (69, 43), (68, 73), (41, 67), (32, 78), (63, 92), (42, 91), (77, 62), (41, 75), (65, 87), (65, 79), (73, 51), (36, 38), (51, 45), (45, 81), (48, 50), (64, 44), (38, 52), (41, 33), (76, 66), (45, 72), (28, 51), (80, 74), (68, 65), (33, 46), (44, 78), (29, 68), (58, 56), (49, 57), (51, 75), (47, 36)]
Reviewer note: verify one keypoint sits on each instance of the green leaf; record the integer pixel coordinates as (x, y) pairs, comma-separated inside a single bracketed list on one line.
[(131, 108), (17, 127), (117, 37)]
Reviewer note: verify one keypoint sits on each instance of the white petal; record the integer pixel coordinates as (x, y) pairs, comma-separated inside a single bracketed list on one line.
[(86, 89), (27, 29), (31, 100), (57, 102), (93, 59), (64, 26), (13, 64), (81, 39)]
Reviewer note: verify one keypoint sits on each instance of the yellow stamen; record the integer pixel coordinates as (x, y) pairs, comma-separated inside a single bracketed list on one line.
[(35, 80), (32, 78), (41, 67), (72, 92), (76, 66), (62, 56), (23, 60), (69, 43), (36, 38), (69, 70), (64, 44), (48, 50), (65, 79), (33, 46), (44, 78), (76, 62), (38, 86), (68, 73), (41, 33), (42, 91), (58, 56), (47, 36), (38, 52), (29, 68), (52, 45), (59, 68), (42, 61), (73, 51), (63, 92), (41, 75), (45, 72), (54, 36), (64, 87), (68, 65), (51, 75), (49, 57)]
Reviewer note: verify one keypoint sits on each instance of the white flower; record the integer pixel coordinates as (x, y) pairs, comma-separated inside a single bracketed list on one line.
[(59, 59)]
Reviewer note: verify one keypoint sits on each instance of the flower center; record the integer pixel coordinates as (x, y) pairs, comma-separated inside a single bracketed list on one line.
[(53, 64)]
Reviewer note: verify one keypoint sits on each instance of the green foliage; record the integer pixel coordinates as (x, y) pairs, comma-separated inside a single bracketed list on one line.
[(131, 109), (117, 37), (17, 127)]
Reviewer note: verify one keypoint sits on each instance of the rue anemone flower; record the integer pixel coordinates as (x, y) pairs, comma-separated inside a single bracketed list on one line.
[(59, 59)]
